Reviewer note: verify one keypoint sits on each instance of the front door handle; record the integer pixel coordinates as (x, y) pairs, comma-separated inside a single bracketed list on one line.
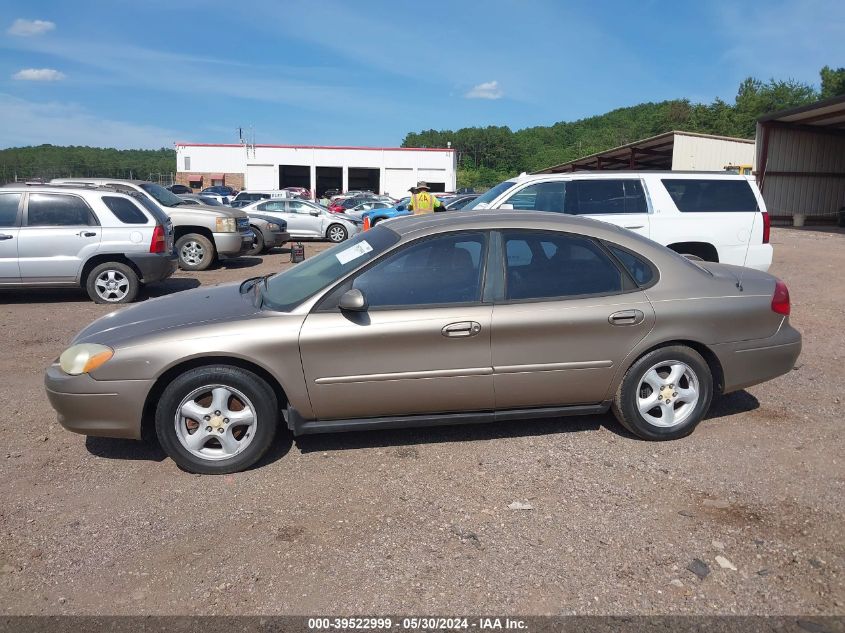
[(626, 317), (635, 226), (4, 236), (87, 234), (463, 328)]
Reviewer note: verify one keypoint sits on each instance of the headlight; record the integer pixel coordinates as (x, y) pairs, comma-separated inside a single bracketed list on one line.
[(226, 225), (80, 359), (274, 227)]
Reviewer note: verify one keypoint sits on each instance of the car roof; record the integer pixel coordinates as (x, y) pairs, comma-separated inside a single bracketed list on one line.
[(64, 188), (623, 173)]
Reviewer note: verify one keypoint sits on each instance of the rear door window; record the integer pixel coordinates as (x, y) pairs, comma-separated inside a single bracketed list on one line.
[(125, 210), (545, 265), (45, 209), (606, 196), (9, 209), (716, 195)]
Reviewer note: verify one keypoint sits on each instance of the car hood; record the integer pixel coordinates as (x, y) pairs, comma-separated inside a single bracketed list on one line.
[(189, 308), (203, 210)]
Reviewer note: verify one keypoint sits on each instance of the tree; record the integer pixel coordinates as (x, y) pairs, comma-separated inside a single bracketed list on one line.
[(833, 82)]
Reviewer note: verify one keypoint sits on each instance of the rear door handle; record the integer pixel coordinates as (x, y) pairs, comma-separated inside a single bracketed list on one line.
[(463, 328), (635, 226), (4, 236), (87, 234), (626, 317)]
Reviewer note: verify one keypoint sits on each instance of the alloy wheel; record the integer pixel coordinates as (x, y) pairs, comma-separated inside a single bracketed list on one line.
[(192, 253), (215, 422), (111, 286), (668, 393)]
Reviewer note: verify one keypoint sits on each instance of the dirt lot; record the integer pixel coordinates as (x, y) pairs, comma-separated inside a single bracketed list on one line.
[(418, 521)]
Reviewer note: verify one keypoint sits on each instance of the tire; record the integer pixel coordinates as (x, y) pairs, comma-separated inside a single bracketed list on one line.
[(229, 447), (196, 252), (112, 282), (337, 233), (257, 244), (684, 410)]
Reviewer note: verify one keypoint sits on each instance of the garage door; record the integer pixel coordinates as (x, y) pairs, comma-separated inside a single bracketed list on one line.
[(436, 178), (397, 181), (261, 177)]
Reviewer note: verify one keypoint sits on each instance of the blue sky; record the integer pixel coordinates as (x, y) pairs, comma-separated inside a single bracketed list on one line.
[(146, 74)]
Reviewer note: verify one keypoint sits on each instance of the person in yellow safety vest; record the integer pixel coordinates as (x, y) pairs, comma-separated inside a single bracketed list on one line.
[(422, 201)]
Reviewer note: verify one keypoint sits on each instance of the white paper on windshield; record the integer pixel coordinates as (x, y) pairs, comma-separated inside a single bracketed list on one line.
[(353, 252)]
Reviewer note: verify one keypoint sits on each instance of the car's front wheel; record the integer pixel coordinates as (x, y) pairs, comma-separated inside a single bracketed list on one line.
[(196, 252), (217, 419), (337, 233), (665, 393), (258, 245)]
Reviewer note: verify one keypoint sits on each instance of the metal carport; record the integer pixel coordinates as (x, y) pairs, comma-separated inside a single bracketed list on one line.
[(801, 160)]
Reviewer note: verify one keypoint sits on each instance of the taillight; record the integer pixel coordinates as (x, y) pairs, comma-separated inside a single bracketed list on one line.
[(780, 300), (159, 242), (366, 223), (767, 227)]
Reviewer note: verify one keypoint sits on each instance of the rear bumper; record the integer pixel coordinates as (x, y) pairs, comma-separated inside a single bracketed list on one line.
[(233, 244), (106, 408), (155, 267), (748, 363)]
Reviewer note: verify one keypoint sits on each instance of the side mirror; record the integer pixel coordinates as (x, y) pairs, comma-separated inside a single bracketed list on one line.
[(314, 212), (507, 206), (401, 207), (353, 301)]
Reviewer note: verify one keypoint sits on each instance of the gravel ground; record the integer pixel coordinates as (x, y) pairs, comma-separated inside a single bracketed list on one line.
[(418, 521)]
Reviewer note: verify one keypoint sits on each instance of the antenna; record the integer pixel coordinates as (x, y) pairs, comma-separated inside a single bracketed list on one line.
[(747, 248)]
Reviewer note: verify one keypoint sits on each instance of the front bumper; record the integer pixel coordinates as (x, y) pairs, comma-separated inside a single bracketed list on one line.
[(106, 408), (280, 238), (748, 363), (153, 266), (233, 244)]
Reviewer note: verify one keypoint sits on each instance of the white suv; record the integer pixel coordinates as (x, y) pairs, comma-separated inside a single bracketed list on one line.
[(718, 217)]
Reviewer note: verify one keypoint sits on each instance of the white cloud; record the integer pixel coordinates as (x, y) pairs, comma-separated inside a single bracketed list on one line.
[(486, 90), (59, 123), (38, 74), (29, 28)]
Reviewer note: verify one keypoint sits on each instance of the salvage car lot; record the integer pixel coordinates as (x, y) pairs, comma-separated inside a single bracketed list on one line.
[(419, 520)]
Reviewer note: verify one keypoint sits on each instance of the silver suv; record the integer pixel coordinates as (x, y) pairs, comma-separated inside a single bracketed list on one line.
[(201, 232), (104, 241)]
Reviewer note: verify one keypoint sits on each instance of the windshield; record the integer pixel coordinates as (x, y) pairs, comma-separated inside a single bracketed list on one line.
[(164, 197), (491, 194), (289, 288), (211, 202)]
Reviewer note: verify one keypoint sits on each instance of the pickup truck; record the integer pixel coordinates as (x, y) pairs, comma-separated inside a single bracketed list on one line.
[(713, 216), (202, 233)]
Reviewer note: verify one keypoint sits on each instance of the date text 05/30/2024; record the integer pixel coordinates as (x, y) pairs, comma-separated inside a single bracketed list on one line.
[(417, 624)]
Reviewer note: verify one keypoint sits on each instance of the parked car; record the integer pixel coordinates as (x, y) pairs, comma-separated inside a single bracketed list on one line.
[(717, 217), (179, 189), (270, 232), (467, 317), (330, 193), (374, 216), (202, 233), (299, 192), (106, 242), (367, 205), (460, 201), (246, 197), (344, 204), (196, 199), (307, 220), (223, 193)]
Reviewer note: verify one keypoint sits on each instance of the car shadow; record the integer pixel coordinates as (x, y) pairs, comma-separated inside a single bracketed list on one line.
[(239, 262), (135, 450), (732, 404), (168, 286), (815, 228)]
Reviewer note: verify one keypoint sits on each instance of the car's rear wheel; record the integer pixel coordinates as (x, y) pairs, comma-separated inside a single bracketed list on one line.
[(196, 252), (336, 233), (112, 282), (665, 393), (257, 243), (217, 419)]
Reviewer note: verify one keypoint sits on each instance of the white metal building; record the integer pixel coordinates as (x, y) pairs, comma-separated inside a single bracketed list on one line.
[(680, 151), (801, 160), (389, 170)]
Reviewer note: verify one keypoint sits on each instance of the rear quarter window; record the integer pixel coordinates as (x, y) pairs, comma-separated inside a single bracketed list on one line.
[(713, 196), (125, 210)]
